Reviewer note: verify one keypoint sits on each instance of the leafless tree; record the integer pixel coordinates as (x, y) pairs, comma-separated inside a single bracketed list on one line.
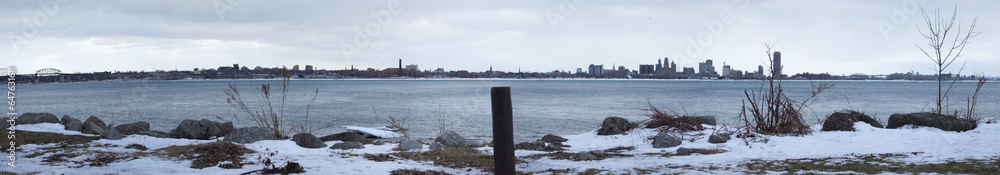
[(944, 45)]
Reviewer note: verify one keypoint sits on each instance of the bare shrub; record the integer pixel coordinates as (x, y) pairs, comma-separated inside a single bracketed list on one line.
[(264, 114), (396, 123), (770, 111), (307, 127), (970, 109), (443, 123)]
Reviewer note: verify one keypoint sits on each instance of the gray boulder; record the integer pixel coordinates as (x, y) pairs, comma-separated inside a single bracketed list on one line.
[(450, 138), (348, 145), (552, 138), (93, 125), (224, 128), (307, 140), (34, 118), (708, 120), (408, 144), (583, 155), (347, 137), (844, 121), (536, 145), (157, 134), (112, 134), (191, 129), (943, 122), (250, 135), (664, 140), (132, 128), (437, 146), (4, 124), (614, 126), (198, 129), (718, 138), (70, 123), (212, 127)]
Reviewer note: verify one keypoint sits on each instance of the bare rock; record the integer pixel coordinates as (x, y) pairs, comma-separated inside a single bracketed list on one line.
[(93, 125), (132, 128), (844, 121), (348, 145), (553, 138), (664, 140), (70, 123), (35, 118), (614, 126), (409, 144), (943, 122), (250, 135), (307, 140), (347, 137)]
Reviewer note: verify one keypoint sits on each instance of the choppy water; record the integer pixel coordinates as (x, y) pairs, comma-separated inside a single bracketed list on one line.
[(540, 106)]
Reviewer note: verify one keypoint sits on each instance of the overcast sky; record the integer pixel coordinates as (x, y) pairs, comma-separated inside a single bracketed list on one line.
[(838, 37)]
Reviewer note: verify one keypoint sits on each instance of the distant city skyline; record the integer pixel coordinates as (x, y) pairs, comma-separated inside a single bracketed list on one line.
[(836, 37)]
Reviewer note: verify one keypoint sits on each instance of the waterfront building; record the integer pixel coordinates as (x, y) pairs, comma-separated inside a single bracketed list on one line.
[(647, 69), (726, 70), (706, 68), (659, 66), (776, 64), (596, 70), (688, 71), (760, 70)]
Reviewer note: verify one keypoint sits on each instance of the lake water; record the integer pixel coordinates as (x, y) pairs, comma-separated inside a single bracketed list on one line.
[(540, 106)]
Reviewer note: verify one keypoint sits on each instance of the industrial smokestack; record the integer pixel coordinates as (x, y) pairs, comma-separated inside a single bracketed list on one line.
[(400, 70)]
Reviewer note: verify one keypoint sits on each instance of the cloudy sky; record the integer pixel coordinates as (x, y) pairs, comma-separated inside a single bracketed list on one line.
[(838, 37)]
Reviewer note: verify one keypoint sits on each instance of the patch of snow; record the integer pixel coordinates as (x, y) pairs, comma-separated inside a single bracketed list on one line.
[(934, 145), (380, 133)]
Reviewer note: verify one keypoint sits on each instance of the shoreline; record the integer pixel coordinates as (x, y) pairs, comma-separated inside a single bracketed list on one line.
[(869, 150)]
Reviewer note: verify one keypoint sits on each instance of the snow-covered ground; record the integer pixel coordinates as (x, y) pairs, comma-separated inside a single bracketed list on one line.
[(931, 145)]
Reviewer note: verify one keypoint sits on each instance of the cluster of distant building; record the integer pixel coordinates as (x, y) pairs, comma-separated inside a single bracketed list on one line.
[(660, 70), (706, 70)]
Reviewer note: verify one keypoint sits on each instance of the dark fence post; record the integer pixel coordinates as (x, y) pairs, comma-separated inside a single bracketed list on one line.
[(503, 131)]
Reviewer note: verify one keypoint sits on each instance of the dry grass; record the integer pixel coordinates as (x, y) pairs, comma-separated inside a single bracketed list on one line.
[(379, 157), (209, 154), (452, 157), (872, 164), (417, 172), (39, 138)]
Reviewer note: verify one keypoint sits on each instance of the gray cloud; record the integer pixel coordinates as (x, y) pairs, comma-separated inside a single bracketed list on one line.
[(839, 37)]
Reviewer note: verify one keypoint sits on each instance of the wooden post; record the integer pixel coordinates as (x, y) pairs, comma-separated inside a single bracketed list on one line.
[(503, 131)]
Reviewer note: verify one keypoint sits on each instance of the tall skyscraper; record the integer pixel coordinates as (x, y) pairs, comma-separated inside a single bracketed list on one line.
[(596, 70), (659, 66), (777, 64), (726, 70), (706, 67), (760, 70)]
